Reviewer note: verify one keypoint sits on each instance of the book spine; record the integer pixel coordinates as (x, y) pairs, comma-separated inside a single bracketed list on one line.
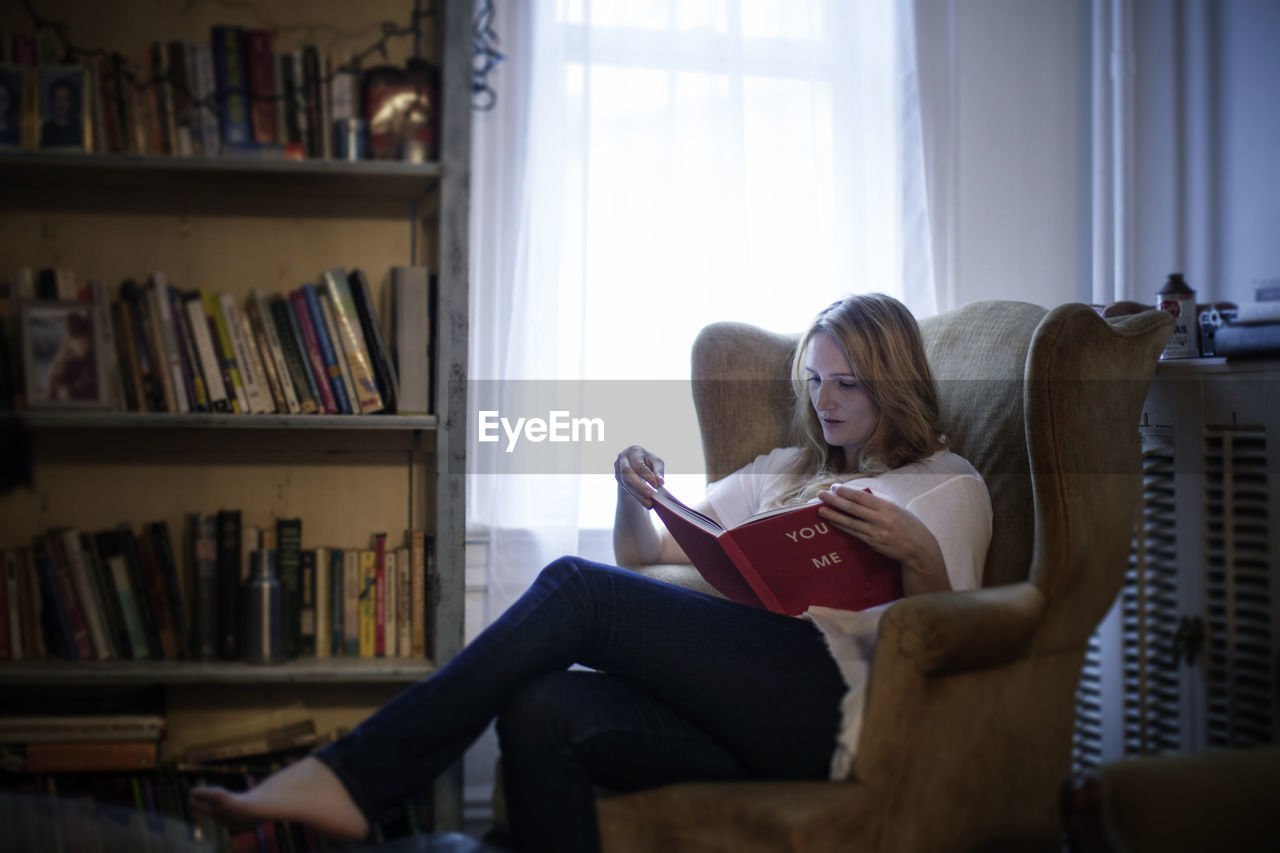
[(307, 610), (106, 343), (153, 393), (231, 80), (289, 562), (67, 545), (192, 374), (181, 79), (390, 613), (206, 92), (123, 756), (255, 394), (127, 359), (337, 606), (158, 597), (33, 609), (368, 596), (156, 348), (311, 85), (281, 309), (112, 556), (210, 364), (352, 336), (379, 354), (348, 386), (229, 571), (351, 603), (16, 580), (158, 291), (64, 631), (380, 594), (66, 591), (206, 586), (266, 361), (311, 345), (105, 588), (138, 579), (162, 545), (160, 90), (226, 353), (323, 611), (404, 600), (327, 353), (412, 324), (262, 89), (418, 592)]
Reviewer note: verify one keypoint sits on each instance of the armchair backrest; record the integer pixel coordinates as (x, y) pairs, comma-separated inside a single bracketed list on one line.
[(1045, 404)]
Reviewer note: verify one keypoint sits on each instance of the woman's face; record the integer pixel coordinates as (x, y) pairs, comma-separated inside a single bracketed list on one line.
[(847, 414)]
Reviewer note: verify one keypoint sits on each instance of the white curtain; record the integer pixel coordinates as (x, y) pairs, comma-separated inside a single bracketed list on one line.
[(650, 167)]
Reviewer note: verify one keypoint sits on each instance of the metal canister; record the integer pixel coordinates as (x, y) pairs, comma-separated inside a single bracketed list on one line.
[(1179, 299), (263, 611)]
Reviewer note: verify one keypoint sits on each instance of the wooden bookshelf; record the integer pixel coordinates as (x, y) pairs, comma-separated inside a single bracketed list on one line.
[(234, 224)]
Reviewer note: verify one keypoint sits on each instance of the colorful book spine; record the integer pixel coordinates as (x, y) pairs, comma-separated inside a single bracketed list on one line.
[(262, 86), (368, 608), (327, 351), (226, 352), (256, 394), (192, 375), (231, 80), (307, 610), (379, 354), (380, 594), (281, 309), (262, 333), (289, 564), (210, 363), (311, 347), (347, 319), (337, 588)]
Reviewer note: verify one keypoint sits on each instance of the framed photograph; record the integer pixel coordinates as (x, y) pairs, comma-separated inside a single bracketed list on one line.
[(63, 115), (13, 105), (62, 368)]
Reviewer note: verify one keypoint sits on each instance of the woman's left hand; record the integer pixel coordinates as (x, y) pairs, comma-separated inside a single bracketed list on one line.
[(891, 530)]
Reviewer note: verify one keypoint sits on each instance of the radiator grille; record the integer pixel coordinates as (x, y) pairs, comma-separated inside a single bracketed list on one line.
[(1149, 607), (1241, 679)]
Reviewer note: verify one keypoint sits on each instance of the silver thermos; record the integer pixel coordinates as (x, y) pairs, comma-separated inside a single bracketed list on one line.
[(263, 611)]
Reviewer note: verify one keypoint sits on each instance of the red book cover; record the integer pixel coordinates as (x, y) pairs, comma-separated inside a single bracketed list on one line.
[(380, 594), (262, 89), (314, 356), (784, 560)]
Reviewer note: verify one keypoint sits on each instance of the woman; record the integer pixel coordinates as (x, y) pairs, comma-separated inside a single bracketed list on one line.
[(682, 686)]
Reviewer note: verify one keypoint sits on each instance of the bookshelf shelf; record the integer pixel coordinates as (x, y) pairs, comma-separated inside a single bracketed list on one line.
[(152, 420), (34, 175), (304, 671)]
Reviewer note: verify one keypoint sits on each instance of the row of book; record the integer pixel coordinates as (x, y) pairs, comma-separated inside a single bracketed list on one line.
[(236, 95), (153, 347), (120, 594)]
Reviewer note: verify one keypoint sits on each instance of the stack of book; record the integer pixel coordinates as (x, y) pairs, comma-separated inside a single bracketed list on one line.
[(150, 346), (120, 595)]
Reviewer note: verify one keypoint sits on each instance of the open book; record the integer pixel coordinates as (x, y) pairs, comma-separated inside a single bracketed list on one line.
[(784, 560)]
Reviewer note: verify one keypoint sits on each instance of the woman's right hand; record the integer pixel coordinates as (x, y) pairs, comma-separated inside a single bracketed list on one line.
[(639, 472)]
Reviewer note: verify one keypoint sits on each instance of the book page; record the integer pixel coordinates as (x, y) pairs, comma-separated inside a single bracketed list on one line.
[(669, 500)]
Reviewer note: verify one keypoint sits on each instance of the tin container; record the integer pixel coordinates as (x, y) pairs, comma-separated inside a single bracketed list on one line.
[(263, 611), (1179, 299)]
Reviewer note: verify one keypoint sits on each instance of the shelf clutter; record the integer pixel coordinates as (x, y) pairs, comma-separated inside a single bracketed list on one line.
[(152, 347)]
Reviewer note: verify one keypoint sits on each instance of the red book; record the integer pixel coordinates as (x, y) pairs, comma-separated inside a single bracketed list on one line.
[(262, 87), (380, 594), (784, 560), (315, 357)]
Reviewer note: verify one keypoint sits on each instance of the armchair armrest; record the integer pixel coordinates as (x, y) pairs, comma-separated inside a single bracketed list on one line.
[(952, 631)]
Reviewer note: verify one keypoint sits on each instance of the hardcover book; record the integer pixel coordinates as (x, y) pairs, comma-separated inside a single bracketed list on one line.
[(306, 334), (783, 560)]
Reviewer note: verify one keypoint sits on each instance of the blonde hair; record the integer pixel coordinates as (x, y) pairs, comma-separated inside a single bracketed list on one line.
[(881, 340)]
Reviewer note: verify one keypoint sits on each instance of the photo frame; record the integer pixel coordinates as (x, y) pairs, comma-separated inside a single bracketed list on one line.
[(63, 101), (62, 367), (15, 103)]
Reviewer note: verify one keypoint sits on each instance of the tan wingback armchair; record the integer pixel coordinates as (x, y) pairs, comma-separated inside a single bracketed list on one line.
[(970, 704)]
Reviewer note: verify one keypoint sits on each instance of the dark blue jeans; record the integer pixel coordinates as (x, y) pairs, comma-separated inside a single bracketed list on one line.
[(685, 687)]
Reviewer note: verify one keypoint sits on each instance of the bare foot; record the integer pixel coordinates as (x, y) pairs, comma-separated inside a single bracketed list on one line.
[(304, 792)]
